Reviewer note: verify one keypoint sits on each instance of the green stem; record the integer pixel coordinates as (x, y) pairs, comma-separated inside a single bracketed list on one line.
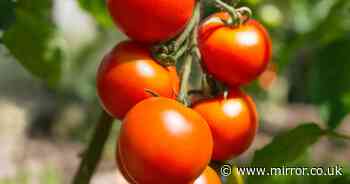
[(93, 154), (337, 135), (181, 51), (188, 30), (186, 71), (185, 79), (229, 9)]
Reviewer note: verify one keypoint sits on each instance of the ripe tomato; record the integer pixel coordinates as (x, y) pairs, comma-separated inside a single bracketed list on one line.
[(162, 141), (209, 176), (121, 167), (126, 73), (234, 55), (233, 123), (152, 20)]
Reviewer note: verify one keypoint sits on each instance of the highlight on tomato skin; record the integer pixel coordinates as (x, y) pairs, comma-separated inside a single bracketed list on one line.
[(234, 55), (233, 123), (162, 141), (125, 75), (151, 21), (209, 176)]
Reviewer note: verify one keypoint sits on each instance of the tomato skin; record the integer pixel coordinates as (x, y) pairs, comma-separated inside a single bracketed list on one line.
[(121, 167), (124, 75), (162, 141), (233, 123), (152, 20), (209, 176), (235, 56)]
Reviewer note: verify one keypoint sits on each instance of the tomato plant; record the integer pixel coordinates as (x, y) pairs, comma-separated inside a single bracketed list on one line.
[(233, 122), (234, 55), (162, 141), (126, 74), (209, 176), (153, 20)]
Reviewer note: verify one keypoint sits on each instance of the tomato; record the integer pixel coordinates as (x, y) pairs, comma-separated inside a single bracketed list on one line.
[(233, 122), (234, 55), (121, 167), (126, 73), (162, 141), (209, 176), (152, 20)]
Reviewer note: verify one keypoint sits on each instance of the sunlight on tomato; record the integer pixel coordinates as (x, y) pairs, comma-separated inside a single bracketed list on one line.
[(233, 123), (162, 141), (151, 21), (234, 55), (125, 75)]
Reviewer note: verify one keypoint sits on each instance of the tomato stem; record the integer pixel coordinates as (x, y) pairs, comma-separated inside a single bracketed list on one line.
[(93, 153), (190, 26), (168, 53), (190, 56), (184, 80), (230, 10)]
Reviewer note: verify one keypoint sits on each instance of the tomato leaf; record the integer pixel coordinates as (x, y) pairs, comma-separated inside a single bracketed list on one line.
[(285, 148), (98, 9), (329, 81), (7, 13), (33, 40)]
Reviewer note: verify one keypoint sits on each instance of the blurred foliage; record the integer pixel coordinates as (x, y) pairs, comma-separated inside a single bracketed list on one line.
[(285, 149), (329, 81), (98, 9), (33, 41), (7, 14)]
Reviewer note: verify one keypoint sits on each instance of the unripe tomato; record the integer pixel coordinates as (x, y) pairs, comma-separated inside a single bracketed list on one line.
[(233, 122), (234, 55), (209, 176), (126, 73), (162, 141), (151, 20)]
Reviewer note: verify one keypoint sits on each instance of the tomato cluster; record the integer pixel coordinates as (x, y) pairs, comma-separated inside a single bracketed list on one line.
[(163, 141)]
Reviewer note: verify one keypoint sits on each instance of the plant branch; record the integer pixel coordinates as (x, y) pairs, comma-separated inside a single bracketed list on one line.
[(93, 153), (337, 135), (186, 71), (230, 10), (185, 79), (188, 30)]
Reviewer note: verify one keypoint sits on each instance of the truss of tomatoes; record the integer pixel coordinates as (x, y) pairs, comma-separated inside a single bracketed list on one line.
[(162, 141)]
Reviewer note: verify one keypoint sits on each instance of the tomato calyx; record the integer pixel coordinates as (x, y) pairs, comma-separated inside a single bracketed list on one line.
[(238, 16), (168, 53)]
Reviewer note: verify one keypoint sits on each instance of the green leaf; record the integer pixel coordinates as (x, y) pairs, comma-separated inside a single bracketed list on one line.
[(329, 81), (285, 148), (7, 13), (98, 9), (33, 40)]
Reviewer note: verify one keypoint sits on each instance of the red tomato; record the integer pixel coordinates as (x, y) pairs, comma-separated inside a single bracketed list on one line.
[(121, 167), (126, 73), (151, 20), (162, 141), (234, 55), (233, 123), (209, 176)]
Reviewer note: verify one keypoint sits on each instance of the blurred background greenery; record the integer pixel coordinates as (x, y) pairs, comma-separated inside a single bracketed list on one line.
[(50, 49)]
